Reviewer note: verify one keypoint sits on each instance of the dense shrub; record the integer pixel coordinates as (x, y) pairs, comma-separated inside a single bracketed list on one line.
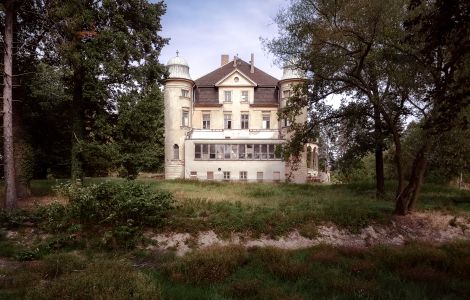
[(119, 204), (117, 211)]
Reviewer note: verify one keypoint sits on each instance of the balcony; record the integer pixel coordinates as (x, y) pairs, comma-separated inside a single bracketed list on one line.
[(223, 134)]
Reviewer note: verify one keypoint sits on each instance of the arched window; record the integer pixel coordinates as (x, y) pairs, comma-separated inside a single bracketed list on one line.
[(309, 157), (176, 152)]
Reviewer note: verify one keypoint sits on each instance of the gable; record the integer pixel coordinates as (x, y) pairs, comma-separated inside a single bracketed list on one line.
[(236, 78)]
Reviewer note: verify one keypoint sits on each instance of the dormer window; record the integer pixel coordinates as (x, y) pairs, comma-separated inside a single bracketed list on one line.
[(228, 96), (184, 93), (244, 96)]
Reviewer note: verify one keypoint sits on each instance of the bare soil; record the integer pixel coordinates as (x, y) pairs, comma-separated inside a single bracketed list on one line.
[(431, 227)]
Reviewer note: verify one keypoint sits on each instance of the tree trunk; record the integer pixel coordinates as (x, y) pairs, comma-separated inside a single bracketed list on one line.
[(379, 160), (406, 200), (398, 162), (23, 155), (8, 154), (77, 129)]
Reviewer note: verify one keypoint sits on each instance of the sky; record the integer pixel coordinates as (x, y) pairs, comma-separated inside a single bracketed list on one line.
[(202, 30)]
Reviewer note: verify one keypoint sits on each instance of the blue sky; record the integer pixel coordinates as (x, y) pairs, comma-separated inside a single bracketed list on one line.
[(203, 30)]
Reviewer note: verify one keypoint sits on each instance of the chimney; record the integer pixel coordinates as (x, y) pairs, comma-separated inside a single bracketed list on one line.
[(252, 62), (223, 60)]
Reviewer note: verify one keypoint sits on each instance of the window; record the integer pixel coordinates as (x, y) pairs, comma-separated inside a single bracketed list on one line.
[(206, 121), (264, 151), (228, 121), (210, 175), (197, 151), (236, 151), (286, 123), (271, 151), (266, 121), (227, 151), (243, 175), (257, 151), (244, 121), (184, 93), (226, 175), (249, 151), (219, 151), (185, 118), (286, 93), (205, 151), (228, 96), (244, 96), (176, 152), (236, 79), (241, 151), (212, 152), (259, 176), (193, 175)]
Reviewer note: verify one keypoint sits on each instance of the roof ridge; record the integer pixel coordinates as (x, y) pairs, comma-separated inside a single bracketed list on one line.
[(229, 66)]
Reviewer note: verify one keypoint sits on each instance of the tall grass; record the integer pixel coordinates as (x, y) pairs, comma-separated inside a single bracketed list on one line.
[(415, 271)]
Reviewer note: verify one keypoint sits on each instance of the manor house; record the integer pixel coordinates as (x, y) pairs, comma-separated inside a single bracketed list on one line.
[(224, 125)]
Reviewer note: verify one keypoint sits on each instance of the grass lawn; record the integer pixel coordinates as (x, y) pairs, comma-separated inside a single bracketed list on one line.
[(68, 264), (274, 209)]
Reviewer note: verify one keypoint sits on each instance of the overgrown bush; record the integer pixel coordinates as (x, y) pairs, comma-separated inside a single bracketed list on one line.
[(120, 209), (118, 204)]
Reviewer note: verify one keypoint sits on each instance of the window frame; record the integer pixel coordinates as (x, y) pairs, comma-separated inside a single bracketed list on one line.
[(176, 152), (266, 124), (228, 121), (229, 94), (206, 123), (244, 123), (185, 93), (184, 112), (242, 96)]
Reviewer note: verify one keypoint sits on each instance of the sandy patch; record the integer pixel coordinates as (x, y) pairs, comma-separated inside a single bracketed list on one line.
[(432, 227)]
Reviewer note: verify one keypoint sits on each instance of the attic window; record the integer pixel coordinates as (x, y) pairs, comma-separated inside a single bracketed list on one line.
[(236, 79)]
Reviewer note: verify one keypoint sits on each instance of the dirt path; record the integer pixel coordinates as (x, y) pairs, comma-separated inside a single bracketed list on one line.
[(432, 227)]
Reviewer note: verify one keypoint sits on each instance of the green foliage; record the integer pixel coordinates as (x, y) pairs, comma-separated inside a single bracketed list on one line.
[(117, 204), (83, 64), (99, 280), (117, 211)]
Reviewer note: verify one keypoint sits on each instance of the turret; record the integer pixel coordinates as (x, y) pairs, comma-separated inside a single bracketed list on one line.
[(178, 107), (305, 168)]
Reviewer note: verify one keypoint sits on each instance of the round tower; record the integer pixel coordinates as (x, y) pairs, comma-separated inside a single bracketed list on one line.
[(301, 171), (178, 105)]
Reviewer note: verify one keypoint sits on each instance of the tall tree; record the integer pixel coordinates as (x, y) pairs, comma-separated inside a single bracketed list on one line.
[(360, 49), (341, 45), (438, 42), (8, 154), (107, 49)]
